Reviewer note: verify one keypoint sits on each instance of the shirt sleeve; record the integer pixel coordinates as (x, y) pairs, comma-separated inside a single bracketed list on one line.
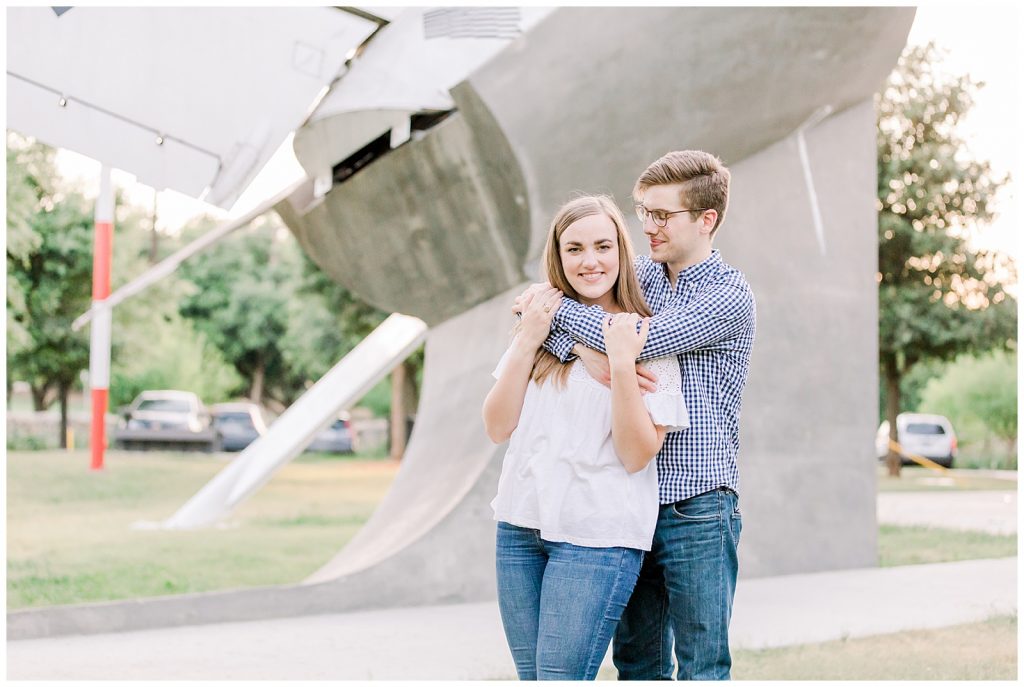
[(666, 405), (502, 363), (706, 322), (559, 344)]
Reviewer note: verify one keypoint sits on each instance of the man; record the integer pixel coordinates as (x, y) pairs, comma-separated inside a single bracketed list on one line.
[(704, 313)]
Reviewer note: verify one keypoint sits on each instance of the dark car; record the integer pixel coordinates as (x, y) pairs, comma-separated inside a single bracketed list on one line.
[(239, 424), (335, 438)]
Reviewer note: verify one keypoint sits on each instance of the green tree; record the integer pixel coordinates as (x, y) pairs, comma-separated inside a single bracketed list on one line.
[(174, 356), (978, 393), (325, 320), (153, 346), (937, 297), (30, 171), (243, 286), (49, 269)]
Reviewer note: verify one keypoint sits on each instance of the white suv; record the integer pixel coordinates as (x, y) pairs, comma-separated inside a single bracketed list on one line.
[(931, 436)]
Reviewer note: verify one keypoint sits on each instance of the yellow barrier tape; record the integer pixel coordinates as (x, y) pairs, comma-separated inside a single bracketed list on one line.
[(920, 460)]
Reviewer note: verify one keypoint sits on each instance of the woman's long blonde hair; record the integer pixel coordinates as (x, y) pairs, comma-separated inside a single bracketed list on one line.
[(626, 290)]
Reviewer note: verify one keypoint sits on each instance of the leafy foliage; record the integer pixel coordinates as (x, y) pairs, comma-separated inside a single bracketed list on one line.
[(49, 268), (29, 173), (937, 296), (325, 321), (979, 395), (240, 305), (252, 315)]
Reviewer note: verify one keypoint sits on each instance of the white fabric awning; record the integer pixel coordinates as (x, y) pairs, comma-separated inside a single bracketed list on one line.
[(189, 98)]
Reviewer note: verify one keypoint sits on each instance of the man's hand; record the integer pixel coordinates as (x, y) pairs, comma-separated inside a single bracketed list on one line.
[(523, 300), (598, 368)]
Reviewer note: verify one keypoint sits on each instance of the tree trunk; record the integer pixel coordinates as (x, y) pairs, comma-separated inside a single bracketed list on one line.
[(397, 421), (404, 402), (154, 238), (892, 408), (412, 395), (256, 390), (63, 390), (40, 397)]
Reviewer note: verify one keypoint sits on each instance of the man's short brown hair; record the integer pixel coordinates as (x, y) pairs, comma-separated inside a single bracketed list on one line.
[(704, 178)]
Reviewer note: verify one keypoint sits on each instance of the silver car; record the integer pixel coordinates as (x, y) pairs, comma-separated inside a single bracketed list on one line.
[(167, 419), (930, 436)]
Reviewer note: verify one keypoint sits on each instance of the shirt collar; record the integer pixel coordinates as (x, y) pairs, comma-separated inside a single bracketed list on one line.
[(701, 270)]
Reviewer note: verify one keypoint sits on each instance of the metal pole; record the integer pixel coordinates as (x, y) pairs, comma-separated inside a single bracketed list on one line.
[(99, 344)]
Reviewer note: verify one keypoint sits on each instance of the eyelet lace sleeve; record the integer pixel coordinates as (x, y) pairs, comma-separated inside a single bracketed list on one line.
[(666, 405)]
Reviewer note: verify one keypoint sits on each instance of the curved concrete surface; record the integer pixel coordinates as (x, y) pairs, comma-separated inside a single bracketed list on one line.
[(589, 114), (550, 116), (397, 231)]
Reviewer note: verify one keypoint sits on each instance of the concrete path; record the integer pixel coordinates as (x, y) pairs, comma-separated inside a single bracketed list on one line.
[(994, 512), (466, 641)]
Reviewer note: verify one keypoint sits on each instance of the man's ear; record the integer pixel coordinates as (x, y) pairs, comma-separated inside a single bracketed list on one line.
[(708, 219)]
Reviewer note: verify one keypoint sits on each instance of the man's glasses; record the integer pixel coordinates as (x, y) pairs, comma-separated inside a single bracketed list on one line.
[(660, 217)]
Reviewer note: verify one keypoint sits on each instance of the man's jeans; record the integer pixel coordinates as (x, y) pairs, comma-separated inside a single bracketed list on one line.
[(685, 589), (560, 602)]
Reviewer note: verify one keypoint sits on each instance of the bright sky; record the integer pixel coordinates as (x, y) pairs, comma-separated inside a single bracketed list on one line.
[(981, 41)]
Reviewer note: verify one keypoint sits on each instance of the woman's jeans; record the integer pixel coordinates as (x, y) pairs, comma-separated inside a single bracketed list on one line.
[(560, 602)]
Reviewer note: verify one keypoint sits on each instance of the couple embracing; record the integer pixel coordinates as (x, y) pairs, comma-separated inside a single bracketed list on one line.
[(617, 506)]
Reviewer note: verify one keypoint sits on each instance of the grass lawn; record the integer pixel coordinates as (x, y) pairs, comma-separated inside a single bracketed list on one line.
[(979, 651), (898, 545), (70, 536), (923, 479)]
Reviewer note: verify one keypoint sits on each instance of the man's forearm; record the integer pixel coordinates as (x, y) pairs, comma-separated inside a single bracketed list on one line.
[(703, 323), (560, 345)]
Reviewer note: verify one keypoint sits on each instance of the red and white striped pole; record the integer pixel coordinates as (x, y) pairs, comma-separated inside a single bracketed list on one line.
[(99, 344)]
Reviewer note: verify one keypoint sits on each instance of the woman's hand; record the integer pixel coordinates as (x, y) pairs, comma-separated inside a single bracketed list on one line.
[(621, 338), (599, 368), (522, 301), (536, 323)]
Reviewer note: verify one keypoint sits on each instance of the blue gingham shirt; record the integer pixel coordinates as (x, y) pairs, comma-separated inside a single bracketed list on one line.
[(708, 322)]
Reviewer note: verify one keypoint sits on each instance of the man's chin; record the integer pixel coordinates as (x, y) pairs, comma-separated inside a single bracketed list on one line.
[(658, 255)]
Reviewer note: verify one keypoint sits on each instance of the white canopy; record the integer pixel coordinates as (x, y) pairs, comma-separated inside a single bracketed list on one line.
[(189, 98)]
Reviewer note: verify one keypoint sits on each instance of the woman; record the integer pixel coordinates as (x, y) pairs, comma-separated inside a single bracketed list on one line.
[(578, 495)]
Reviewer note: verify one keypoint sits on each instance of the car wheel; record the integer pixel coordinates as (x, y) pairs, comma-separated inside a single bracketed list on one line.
[(216, 444)]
